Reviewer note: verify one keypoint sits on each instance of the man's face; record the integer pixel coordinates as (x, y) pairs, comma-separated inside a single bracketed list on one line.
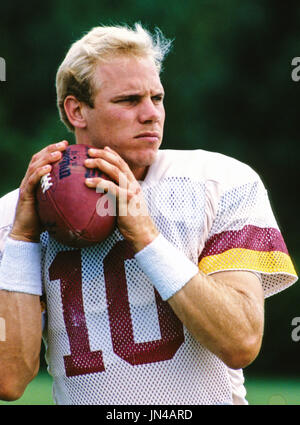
[(128, 113)]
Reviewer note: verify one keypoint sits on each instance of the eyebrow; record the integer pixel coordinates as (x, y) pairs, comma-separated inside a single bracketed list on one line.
[(136, 95)]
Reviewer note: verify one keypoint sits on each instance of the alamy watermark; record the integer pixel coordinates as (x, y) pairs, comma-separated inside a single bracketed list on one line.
[(296, 331), (2, 330), (2, 69), (148, 200), (296, 71)]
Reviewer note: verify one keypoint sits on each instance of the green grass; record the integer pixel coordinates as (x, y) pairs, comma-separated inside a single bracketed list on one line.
[(260, 391), (273, 391)]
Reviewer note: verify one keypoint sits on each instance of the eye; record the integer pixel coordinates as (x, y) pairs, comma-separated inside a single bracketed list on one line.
[(129, 99), (158, 98)]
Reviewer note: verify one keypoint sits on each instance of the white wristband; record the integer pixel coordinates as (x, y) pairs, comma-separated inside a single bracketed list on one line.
[(166, 266), (20, 268)]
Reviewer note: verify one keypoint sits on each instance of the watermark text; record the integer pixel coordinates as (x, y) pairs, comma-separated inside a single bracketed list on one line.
[(296, 331), (2, 330), (128, 198), (296, 71), (2, 69)]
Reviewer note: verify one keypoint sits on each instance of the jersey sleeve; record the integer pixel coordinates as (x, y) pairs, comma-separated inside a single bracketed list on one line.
[(7, 213), (245, 236)]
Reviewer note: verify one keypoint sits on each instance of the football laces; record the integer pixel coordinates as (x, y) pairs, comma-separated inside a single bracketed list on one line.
[(46, 182)]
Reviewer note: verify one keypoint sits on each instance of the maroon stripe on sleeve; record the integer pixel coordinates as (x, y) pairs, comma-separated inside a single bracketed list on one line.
[(249, 237)]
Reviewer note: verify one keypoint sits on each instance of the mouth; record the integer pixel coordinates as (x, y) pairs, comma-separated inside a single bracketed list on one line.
[(150, 136)]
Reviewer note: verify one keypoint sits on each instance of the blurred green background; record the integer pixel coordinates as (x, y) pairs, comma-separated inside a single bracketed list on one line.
[(228, 89)]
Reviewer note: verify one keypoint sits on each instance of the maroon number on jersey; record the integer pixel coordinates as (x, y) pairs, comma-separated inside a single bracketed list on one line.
[(67, 268)]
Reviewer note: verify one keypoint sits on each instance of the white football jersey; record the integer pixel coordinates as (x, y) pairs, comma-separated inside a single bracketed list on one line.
[(109, 337)]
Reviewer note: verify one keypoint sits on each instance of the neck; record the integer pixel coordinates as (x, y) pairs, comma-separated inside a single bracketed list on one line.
[(81, 137), (140, 173)]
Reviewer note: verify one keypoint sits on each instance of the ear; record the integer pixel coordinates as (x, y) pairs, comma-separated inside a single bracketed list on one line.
[(73, 108)]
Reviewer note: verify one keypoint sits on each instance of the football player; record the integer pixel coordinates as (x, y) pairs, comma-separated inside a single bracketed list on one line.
[(170, 308)]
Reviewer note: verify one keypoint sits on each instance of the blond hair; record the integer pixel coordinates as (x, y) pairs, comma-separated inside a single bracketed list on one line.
[(75, 74)]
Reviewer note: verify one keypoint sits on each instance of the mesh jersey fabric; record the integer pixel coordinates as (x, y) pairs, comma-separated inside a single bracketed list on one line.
[(109, 337)]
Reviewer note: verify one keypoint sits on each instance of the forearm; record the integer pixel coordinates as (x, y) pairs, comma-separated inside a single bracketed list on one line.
[(223, 317), (20, 310), (20, 347)]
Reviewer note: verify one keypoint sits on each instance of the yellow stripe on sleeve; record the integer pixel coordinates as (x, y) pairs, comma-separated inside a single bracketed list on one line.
[(247, 259)]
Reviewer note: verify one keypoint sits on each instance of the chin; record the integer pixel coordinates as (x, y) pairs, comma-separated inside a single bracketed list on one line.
[(147, 158)]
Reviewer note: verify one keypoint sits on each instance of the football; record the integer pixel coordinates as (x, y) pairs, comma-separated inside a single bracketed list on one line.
[(68, 209)]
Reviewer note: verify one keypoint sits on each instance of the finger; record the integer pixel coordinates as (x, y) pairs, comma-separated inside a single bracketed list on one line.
[(131, 186), (108, 186), (40, 172), (49, 154), (114, 158), (46, 156), (109, 169), (102, 185), (116, 171), (28, 185)]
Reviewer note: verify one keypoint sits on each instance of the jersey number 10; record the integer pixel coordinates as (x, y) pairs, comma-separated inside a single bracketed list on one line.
[(67, 268)]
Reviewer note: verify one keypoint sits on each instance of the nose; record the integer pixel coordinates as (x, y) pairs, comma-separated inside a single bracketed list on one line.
[(149, 111)]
